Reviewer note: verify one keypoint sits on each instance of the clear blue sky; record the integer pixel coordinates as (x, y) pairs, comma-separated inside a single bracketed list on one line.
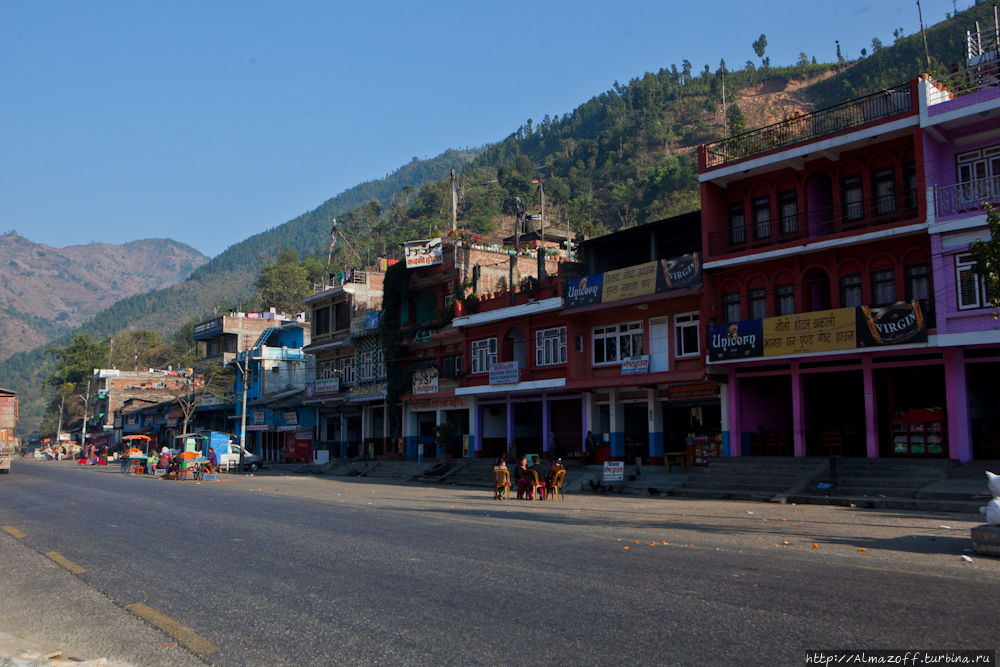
[(208, 122)]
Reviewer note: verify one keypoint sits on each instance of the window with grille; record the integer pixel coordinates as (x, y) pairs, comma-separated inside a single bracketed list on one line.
[(884, 287), (851, 194), (762, 217), (971, 291), (757, 299), (347, 371), (341, 316), (326, 371), (979, 174), (451, 366), (850, 291), (484, 355), (736, 222), (918, 282), (788, 207), (884, 188), (731, 306), (366, 366), (910, 185), (686, 335), (613, 344), (784, 297), (550, 346)]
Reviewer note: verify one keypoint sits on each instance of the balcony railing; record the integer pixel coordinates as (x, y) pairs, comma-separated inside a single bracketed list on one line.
[(341, 279), (972, 80), (858, 217), (968, 197), (850, 114)]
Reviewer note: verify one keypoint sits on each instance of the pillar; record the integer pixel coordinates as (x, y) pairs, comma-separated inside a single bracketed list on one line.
[(735, 425), (724, 411), (957, 402), (655, 417), (589, 420), (438, 420), (510, 425), (798, 412), (617, 427), (476, 424), (871, 420)]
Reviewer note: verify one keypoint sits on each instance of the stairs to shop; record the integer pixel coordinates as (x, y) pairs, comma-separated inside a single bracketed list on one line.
[(746, 478), (881, 478)]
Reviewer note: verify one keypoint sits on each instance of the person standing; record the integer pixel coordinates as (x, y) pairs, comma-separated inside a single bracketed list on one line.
[(591, 447)]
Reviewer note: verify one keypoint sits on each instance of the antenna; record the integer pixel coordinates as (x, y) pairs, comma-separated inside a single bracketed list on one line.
[(923, 34), (454, 202)]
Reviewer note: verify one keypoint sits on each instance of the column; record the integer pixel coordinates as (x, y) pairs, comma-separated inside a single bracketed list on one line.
[(438, 420), (871, 421), (510, 425), (476, 424), (735, 423), (588, 420), (617, 427), (724, 425), (957, 402), (343, 434), (655, 417), (798, 413), (546, 425)]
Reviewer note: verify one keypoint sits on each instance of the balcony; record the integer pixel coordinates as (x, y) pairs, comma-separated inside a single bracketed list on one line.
[(279, 353), (878, 106), (855, 217), (969, 197), (340, 279)]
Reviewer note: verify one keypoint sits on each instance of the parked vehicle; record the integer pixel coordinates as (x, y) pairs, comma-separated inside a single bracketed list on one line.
[(231, 460), (8, 418)]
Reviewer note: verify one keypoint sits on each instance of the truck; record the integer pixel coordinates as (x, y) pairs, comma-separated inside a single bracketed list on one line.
[(8, 419)]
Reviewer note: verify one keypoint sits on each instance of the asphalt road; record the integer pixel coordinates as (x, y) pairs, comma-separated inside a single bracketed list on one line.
[(310, 571)]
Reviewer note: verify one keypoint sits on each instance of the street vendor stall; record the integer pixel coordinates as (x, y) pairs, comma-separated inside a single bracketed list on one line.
[(135, 451), (191, 457)]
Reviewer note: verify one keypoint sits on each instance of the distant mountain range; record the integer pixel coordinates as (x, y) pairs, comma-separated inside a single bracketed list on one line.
[(46, 291)]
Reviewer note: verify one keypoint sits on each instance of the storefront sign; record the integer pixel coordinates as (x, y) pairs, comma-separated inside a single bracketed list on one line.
[(374, 392), (505, 372), (291, 418), (614, 471), (108, 373), (691, 392), (899, 324), (423, 253), (258, 416), (438, 404), (640, 280), (425, 381), (902, 323), (636, 365), (737, 340), (373, 320), (327, 386), (287, 429), (810, 332), (259, 427)]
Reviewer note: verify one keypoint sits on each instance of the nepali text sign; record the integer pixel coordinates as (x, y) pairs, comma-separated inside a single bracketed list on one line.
[(327, 386), (614, 471), (425, 381), (902, 323), (636, 365), (423, 253), (438, 404), (810, 332), (258, 416), (693, 391), (108, 373), (291, 418), (372, 392), (640, 280), (505, 372)]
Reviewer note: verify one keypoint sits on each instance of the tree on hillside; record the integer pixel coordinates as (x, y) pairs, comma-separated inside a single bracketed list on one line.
[(758, 48), (876, 45), (284, 283), (987, 256), (207, 379), (734, 117)]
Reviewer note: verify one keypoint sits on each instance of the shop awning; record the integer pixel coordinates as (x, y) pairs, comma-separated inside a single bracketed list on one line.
[(643, 380), (633, 301)]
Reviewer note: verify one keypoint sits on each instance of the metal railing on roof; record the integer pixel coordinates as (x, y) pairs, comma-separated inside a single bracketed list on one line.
[(350, 277), (853, 113)]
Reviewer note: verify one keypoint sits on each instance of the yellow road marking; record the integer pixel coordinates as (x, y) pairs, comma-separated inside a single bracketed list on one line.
[(13, 531), (68, 564), (182, 633)]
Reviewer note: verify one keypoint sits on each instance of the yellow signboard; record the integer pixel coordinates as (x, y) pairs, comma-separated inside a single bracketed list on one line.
[(632, 281), (820, 331)]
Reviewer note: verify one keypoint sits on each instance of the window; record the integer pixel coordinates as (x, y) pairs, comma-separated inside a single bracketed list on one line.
[(850, 291), (371, 365), (979, 174), (686, 335), (347, 371), (484, 354), (321, 321), (451, 367), (910, 185), (758, 303), (736, 222), (341, 316), (762, 217), (614, 344), (884, 187), (326, 371), (550, 346), (918, 283), (731, 306), (884, 287), (852, 194), (788, 207), (784, 297), (971, 292)]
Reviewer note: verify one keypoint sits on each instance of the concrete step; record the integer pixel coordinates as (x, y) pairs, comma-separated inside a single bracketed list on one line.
[(870, 491), (887, 483), (892, 502), (719, 495), (773, 480)]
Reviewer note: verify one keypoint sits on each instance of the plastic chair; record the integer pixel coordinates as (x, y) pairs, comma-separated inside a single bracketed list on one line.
[(783, 448), (501, 484), (537, 486), (830, 443), (137, 466), (770, 444), (556, 487)]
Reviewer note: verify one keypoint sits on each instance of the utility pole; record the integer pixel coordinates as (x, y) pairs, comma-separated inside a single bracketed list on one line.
[(454, 202), (86, 410), (541, 242), (927, 53), (243, 413), (62, 402)]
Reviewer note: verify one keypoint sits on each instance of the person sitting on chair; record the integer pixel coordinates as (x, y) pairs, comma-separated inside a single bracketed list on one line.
[(551, 478), (500, 465), (540, 471), (521, 478), (212, 464)]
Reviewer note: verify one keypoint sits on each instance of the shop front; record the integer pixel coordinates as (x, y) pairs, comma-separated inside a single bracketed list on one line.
[(423, 413), (372, 426)]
